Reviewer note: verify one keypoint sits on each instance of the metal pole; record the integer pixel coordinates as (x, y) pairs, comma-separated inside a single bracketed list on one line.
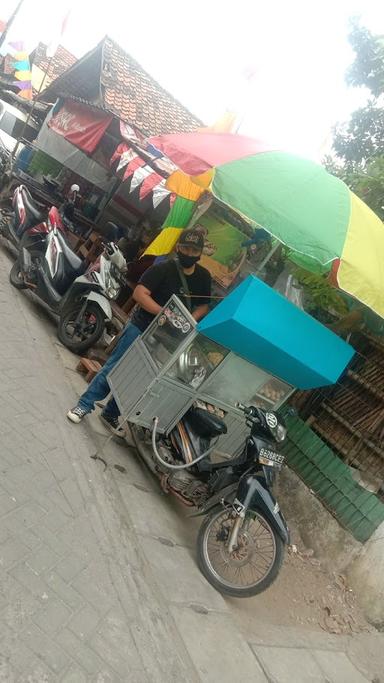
[(268, 257), (10, 22)]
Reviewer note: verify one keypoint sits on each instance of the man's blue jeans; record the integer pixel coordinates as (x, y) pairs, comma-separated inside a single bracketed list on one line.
[(99, 387)]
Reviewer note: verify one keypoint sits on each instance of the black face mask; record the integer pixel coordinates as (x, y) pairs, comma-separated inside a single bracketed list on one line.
[(187, 261)]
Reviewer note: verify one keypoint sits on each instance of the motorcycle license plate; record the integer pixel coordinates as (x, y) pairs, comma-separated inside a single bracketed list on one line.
[(272, 456)]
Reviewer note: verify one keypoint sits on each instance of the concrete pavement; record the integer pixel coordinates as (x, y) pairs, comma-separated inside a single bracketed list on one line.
[(97, 574)]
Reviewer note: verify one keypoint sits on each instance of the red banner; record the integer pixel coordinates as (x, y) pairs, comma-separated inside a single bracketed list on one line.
[(80, 125)]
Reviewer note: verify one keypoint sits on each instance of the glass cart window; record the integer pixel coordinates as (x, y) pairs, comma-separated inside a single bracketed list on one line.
[(274, 390), (197, 362), (167, 332), (237, 381)]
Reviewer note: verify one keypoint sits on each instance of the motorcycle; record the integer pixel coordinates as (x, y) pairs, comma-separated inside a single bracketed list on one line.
[(241, 541), (26, 216), (5, 158), (80, 296)]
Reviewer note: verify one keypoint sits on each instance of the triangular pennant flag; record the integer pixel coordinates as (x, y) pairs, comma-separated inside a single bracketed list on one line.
[(20, 56), (121, 147), (23, 85), (23, 75), (132, 166), (125, 158), (160, 192), (149, 183), (139, 176), (26, 94), (3, 26), (17, 45), (23, 64)]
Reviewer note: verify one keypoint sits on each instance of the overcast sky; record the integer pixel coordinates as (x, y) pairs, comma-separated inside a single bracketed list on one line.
[(198, 50)]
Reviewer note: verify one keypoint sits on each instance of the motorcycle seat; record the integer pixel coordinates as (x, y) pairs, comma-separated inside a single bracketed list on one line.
[(72, 259), (31, 207), (207, 425)]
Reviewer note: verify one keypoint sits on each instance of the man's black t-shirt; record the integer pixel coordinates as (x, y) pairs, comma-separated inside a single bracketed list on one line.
[(164, 280)]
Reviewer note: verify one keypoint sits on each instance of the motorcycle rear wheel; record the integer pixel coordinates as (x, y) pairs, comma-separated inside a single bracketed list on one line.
[(252, 567), (78, 343), (15, 276)]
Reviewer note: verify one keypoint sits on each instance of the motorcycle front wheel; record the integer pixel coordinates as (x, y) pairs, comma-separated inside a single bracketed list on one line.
[(252, 566), (79, 335)]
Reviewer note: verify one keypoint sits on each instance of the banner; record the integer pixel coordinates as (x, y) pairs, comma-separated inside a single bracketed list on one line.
[(80, 125), (223, 254)]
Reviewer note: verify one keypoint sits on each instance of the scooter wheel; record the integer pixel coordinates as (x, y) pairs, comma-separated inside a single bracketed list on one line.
[(15, 276), (79, 336)]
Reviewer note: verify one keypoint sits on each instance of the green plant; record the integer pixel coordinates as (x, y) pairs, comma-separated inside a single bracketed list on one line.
[(319, 294)]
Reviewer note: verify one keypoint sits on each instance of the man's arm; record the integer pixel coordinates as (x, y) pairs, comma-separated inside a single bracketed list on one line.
[(200, 312), (142, 296)]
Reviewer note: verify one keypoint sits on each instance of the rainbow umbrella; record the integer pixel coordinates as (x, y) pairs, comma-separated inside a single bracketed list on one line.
[(296, 200)]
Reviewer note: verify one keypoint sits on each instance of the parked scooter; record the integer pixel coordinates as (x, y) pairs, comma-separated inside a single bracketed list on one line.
[(60, 279), (25, 216), (5, 158), (241, 541)]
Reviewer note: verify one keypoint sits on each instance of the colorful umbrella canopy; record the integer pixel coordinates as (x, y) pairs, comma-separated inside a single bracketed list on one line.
[(296, 200)]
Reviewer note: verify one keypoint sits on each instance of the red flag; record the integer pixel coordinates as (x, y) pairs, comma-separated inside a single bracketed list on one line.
[(149, 183), (122, 147), (132, 166)]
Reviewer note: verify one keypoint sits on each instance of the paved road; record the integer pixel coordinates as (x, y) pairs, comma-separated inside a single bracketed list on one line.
[(97, 575)]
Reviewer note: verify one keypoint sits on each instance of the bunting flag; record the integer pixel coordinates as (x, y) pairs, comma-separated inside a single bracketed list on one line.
[(23, 64), (149, 184), (3, 26), (132, 166), (120, 149), (140, 174), (17, 45), (23, 73), (125, 158), (159, 193)]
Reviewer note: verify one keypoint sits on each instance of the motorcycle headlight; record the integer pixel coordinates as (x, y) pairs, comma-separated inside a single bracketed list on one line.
[(280, 432)]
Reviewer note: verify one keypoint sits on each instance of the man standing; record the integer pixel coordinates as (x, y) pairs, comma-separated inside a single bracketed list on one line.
[(181, 276)]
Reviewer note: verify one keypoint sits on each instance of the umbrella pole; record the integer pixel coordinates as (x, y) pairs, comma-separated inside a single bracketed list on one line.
[(267, 258)]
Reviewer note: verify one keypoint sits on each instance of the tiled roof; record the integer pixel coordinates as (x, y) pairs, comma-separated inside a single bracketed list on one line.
[(61, 61), (134, 96)]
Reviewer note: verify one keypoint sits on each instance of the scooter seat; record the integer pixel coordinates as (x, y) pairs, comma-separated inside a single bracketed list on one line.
[(206, 425), (75, 263), (31, 207)]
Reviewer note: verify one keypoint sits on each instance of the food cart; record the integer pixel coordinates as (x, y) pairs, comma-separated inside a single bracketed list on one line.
[(255, 348)]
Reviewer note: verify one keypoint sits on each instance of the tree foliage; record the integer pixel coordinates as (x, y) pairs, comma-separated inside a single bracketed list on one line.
[(358, 144), (367, 69)]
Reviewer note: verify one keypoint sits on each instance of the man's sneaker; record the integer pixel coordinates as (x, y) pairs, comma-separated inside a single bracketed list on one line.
[(76, 414), (112, 423)]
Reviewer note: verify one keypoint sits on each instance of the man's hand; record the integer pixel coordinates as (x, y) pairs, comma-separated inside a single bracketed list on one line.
[(200, 312), (142, 296)]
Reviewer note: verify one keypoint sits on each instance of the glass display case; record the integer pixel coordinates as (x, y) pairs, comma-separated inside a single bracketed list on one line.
[(170, 329), (241, 381), (197, 362)]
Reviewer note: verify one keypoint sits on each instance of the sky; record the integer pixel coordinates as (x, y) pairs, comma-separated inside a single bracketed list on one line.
[(297, 51)]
